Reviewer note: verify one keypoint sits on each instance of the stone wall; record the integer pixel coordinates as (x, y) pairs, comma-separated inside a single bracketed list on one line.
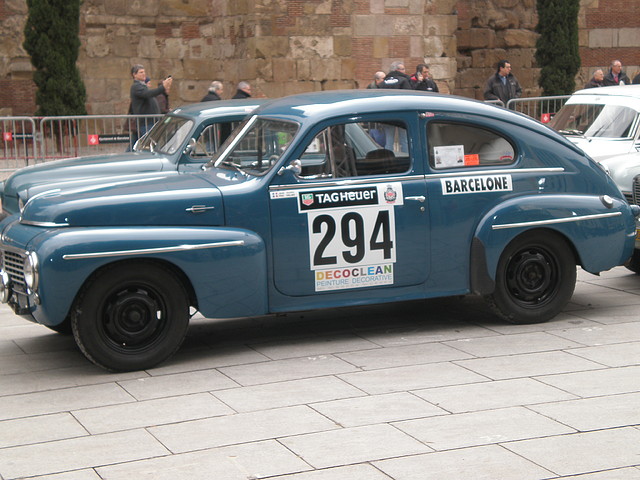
[(289, 46)]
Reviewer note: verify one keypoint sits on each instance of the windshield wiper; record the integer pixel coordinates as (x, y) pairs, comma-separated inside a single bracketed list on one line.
[(572, 132)]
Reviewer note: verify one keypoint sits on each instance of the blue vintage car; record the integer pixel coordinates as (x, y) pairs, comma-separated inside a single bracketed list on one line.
[(320, 200), (182, 141)]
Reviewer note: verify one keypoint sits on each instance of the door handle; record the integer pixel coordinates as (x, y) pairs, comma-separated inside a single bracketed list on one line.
[(199, 209), (419, 198)]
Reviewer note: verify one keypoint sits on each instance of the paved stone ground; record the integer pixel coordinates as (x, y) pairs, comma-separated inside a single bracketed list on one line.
[(435, 389)]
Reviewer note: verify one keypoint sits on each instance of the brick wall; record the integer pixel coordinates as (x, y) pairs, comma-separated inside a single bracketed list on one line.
[(291, 46)]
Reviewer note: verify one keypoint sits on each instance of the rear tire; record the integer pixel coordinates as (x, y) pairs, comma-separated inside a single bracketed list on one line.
[(535, 279), (131, 316), (633, 263)]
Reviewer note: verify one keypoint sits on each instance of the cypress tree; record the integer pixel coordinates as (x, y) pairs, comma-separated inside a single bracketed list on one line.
[(51, 39), (557, 47)]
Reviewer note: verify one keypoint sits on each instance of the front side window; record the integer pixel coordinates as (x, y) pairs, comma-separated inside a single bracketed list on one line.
[(454, 145), (166, 136), (256, 146), (605, 121), (357, 149), (211, 138)]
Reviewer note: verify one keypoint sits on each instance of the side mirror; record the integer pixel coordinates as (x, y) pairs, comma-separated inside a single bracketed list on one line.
[(295, 166), (190, 146)]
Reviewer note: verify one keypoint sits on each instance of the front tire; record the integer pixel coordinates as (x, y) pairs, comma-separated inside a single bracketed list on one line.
[(131, 316), (535, 279)]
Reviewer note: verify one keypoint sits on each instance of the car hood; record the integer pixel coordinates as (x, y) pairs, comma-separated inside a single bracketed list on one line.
[(31, 180), (173, 200), (599, 148)]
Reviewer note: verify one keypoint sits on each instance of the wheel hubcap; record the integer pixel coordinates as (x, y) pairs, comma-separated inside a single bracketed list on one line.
[(133, 318), (532, 277)]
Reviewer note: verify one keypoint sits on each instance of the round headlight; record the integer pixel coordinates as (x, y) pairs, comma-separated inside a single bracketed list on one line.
[(30, 270)]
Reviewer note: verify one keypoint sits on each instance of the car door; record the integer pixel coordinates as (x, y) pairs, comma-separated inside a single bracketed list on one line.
[(354, 216)]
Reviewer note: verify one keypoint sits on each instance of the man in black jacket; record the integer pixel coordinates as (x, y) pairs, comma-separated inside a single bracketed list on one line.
[(503, 85), (243, 91), (143, 101), (215, 90), (397, 78), (421, 80)]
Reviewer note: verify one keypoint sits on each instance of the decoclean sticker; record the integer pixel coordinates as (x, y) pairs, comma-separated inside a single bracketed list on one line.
[(352, 235)]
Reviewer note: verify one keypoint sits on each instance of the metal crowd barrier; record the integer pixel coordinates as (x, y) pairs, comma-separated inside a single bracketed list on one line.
[(27, 140), (77, 136), (540, 108), (19, 142)]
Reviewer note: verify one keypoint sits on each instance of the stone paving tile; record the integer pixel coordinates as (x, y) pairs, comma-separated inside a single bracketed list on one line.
[(372, 409), (491, 395), (412, 377), (289, 369), (595, 413), (402, 356), (514, 344), (188, 360), (567, 319), (597, 296), (351, 472), (353, 445), (602, 334), (610, 315), (46, 340), (10, 348), (147, 388), (489, 462), (150, 413), (26, 431), (598, 382), (75, 475), (62, 400), (78, 453), (240, 428), (433, 332), (618, 355), (26, 363), (318, 345), (60, 378), (238, 462), (528, 364), (286, 394), (481, 428), (582, 452), (617, 474)]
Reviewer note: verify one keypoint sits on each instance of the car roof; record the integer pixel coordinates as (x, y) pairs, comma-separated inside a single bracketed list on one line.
[(218, 108), (317, 106), (617, 90)]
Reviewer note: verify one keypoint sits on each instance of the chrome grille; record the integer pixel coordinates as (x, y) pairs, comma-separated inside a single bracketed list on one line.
[(14, 265), (635, 191)]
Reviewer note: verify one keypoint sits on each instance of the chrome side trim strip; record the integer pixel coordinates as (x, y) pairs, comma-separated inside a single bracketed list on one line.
[(556, 220), (345, 182), (43, 224), (460, 173), (511, 171), (148, 251)]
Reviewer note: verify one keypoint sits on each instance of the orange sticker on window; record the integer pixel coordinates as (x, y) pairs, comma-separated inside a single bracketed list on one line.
[(472, 159)]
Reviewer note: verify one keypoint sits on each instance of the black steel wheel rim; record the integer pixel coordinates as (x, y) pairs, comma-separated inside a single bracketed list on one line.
[(532, 276), (133, 319)]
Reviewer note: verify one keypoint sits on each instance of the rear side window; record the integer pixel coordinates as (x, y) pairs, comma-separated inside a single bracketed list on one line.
[(455, 145)]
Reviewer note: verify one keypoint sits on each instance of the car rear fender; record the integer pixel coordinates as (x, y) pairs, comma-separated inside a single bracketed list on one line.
[(591, 225)]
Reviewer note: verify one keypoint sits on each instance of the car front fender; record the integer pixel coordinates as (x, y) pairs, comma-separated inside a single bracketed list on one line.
[(599, 229), (225, 267)]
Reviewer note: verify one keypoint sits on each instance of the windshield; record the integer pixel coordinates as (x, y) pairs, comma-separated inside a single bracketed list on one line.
[(256, 146), (167, 136), (607, 121)]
